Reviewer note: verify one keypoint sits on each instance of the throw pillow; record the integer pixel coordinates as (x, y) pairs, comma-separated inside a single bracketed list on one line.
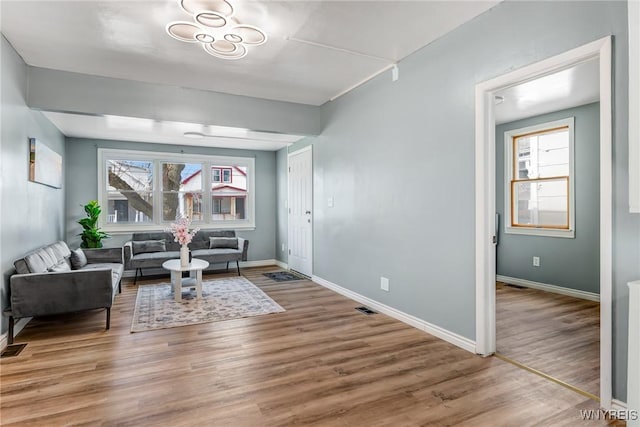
[(223, 243), (148, 246), (78, 259), (62, 266)]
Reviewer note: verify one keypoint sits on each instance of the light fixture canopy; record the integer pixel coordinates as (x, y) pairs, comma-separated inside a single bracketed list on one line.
[(215, 28)]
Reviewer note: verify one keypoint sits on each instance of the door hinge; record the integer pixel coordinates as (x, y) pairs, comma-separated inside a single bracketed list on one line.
[(289, 168), (289, 251)]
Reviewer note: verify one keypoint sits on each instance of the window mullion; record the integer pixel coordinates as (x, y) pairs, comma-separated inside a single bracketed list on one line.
[(206, 192), (157, 192)]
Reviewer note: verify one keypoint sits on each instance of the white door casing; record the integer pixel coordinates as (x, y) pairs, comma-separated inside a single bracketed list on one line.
[(485, 199), (301, 211)]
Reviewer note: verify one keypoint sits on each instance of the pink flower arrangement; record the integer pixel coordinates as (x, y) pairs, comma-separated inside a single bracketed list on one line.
[(180, 230)]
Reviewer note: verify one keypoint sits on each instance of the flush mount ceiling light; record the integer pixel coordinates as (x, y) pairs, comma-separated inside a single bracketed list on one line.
[(216, 29)]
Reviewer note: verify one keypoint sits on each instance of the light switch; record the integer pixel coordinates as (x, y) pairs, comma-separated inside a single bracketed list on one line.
[(330, 202)]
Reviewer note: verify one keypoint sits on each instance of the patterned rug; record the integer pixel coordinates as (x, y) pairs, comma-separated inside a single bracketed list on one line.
[(283, 276), (222, 299)]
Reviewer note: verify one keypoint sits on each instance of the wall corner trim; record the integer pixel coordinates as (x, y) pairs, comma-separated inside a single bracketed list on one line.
[(437, 331), (618, 405), (549, 288), (282, 265)]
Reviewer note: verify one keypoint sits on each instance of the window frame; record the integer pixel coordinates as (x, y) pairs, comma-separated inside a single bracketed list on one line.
[(157, 158), (511, 166)]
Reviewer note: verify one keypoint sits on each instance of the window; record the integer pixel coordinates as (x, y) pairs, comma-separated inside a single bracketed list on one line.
[(129, 192), (148, 190), (228, 194), (539, 180), (221, 174)]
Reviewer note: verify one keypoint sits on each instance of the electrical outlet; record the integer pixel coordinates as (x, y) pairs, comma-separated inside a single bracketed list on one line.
[(536, 261), (384, 284)]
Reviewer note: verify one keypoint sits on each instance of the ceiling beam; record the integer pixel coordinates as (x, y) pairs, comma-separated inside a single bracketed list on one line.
[(61, 91)]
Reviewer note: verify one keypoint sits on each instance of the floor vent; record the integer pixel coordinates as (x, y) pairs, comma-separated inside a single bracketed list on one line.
[(12, 350), (365, 310)]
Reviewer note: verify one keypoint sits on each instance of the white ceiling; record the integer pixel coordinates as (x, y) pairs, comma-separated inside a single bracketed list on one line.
[(146, 130), (575, 86), (127, 39), (315, 51)]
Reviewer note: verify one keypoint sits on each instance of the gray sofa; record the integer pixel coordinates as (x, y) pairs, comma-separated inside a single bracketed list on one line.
[(49, 282), (151, 249)]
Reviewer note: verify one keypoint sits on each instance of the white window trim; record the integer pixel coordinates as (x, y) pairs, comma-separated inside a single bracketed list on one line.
[(634, 106), (508, 176), (157, 158)]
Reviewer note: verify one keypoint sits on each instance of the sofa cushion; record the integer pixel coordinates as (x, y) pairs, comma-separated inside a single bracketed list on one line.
[(61, 250), (148, 246), (218, 255), (36, 262), (40, 260), (21, 266), (78, 259), (223, 243), (61, 266)]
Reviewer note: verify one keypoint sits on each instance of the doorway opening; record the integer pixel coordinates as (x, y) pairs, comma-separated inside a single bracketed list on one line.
[(486, 237)]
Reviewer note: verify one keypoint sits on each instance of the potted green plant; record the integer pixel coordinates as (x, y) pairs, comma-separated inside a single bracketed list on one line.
[(92, 235)]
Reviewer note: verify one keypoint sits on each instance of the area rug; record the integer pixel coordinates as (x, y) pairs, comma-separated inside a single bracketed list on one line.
[(222, 299), (283, 276)]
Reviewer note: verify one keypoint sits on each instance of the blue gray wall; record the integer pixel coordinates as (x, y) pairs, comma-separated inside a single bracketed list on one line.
[(398, 159), (31, 214), (558, 255), (82, 186)]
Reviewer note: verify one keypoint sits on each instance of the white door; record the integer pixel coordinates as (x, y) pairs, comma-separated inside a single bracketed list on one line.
[(300, 211)]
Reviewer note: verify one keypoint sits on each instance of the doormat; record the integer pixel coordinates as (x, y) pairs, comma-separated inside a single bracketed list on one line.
[(283, 276), (12, 350)]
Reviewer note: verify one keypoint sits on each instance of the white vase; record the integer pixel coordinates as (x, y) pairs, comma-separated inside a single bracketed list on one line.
[(184, 256)]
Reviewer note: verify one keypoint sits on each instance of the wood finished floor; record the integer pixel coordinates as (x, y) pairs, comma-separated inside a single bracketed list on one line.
[(319, 363), (556, 334)]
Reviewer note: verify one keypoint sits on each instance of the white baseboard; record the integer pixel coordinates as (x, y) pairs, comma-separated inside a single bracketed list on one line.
[(549, 288), (282, 265), (437, 331), (19, 326), (259, 263)]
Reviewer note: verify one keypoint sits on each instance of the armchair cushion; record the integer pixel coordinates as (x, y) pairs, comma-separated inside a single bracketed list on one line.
[(148, 246)]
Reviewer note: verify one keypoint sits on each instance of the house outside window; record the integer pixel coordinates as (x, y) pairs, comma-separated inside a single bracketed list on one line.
[(539, 180), (148, 190)]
